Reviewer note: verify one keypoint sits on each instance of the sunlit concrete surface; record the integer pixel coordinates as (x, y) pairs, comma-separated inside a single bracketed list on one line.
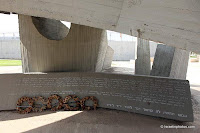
[(10, 124), (10, 69), (193, 74)]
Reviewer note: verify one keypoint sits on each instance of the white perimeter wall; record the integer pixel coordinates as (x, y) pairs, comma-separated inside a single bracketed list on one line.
[(125, 50), (10, 49)]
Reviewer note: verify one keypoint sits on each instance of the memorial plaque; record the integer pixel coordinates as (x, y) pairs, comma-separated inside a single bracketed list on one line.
[(160, 97)]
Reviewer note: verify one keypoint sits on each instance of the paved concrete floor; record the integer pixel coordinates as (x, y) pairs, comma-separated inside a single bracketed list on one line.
[(102, 120), (10, 69)]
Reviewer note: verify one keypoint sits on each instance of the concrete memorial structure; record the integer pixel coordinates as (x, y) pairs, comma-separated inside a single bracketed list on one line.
[(170, 62), (160, 97), (142, 63), (83, 49), (48, 46)]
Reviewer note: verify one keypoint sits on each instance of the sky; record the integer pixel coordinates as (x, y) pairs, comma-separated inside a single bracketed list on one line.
[(9, 23)]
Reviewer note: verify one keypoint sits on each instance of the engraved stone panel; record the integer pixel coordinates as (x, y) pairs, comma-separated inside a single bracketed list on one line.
[(161, 97)]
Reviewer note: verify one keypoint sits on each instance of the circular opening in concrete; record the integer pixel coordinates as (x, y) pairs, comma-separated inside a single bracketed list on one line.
[(50, 28)]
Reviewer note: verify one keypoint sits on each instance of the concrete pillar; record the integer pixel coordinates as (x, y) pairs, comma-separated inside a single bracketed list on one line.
[(198, 58), (170, 62), (142, 63), (180, 64), (83, 49), (108, 58)]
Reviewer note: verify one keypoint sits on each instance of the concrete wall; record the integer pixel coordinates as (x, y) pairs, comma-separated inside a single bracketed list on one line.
[(125, 50), (10, 49)]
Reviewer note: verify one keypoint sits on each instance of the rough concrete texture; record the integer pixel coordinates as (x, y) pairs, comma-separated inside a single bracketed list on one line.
[(170, 62), (178, 23), (142, 63), (160, 97), (163, 61), (179, 64), (108, 58), (50, 28), (83, 49)]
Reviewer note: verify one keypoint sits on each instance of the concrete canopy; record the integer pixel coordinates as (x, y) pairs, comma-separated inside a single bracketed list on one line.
[(172, 22)]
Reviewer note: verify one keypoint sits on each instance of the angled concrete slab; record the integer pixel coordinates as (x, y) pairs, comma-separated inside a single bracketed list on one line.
[(175, 23), (163, 61), (170, 62)]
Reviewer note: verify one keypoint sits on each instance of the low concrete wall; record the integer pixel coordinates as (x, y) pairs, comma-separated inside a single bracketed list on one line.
[(10, 49), (123, 50)]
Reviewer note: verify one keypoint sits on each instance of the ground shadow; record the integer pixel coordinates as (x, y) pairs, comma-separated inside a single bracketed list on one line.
[(105, 120)]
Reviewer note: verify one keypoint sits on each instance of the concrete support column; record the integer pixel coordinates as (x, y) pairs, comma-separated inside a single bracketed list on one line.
[(198, 57), (180, 64), (108, 58), (45, 50), (170, 62), (142, 63)]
